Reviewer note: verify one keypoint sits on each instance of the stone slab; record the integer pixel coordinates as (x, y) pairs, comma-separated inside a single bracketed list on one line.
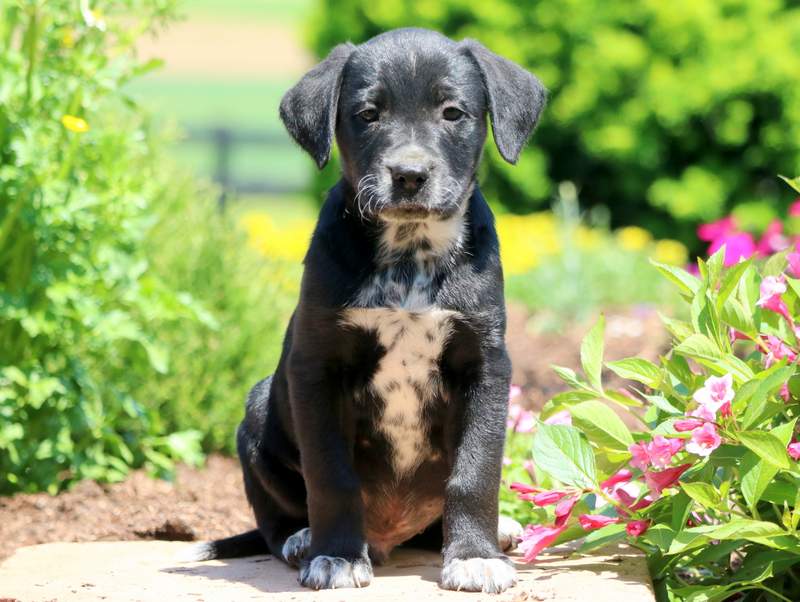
[(147, 571)]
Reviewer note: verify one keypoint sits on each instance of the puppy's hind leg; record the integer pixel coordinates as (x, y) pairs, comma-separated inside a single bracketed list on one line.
[(275, 491)]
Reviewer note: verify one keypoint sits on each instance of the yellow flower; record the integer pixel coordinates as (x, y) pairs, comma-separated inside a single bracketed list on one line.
[(633, 238), (289, 241), (671, 252), (68, 38), (75, 124)]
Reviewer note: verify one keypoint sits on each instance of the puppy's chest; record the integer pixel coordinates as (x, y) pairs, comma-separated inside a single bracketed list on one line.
[(412, 333)]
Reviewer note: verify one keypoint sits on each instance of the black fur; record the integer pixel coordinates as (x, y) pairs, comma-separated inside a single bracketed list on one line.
[(314, 445)]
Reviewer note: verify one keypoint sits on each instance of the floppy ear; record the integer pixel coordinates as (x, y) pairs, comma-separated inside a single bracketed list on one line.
[(308, 110), (516, 98)]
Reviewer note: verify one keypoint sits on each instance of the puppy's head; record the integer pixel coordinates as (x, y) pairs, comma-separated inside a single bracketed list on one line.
[(408, 109)]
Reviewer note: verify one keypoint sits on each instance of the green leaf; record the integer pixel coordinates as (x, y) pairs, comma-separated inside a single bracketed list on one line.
[(756, 475), (793, 182), (592, 354), (771, 382), (702, 493), (685, 282), (638, 369), (563, 453), (730, 281), (602, 425), (602, 537), (767, 447), (705, 351), (660, 536), (663, 404), (568, 376), (677, 328), (734, 315)]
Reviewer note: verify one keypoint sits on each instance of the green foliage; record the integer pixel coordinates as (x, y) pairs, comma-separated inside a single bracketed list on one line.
[(78, 300), (736, 498), (648, 100), (248, 297)]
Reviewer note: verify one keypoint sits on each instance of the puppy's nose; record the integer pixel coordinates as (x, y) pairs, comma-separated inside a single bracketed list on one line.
[(409, 176)]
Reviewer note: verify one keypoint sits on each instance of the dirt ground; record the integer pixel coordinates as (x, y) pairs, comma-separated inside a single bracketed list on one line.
[(209, 502)]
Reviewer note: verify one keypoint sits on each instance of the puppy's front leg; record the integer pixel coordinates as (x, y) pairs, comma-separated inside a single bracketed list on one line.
[(473, 560), (337, 555)]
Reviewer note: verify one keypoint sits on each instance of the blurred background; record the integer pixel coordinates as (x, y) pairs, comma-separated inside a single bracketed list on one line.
[(154, 212)]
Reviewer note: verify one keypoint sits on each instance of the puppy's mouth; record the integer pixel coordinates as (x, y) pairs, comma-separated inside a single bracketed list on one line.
[(407, 210)]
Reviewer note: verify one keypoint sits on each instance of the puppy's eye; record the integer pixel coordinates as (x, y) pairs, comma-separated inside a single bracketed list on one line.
[(369, 115), (452, 113)]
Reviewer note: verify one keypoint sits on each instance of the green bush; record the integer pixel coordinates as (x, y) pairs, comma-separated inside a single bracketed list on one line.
[(669, 113), (79, 303), (249, 297)]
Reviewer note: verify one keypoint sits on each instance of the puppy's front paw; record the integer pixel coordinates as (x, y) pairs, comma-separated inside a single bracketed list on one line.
[(328, 572), (490, 575), (509, 532), (295, 547)]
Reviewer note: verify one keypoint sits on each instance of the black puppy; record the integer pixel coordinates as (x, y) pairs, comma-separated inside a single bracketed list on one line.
[(385, 418)]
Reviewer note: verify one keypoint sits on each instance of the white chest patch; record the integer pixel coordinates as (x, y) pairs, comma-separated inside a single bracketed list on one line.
[(407, 377)]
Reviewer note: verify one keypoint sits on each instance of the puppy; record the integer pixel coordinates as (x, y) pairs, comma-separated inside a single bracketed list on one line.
[(384, 421)]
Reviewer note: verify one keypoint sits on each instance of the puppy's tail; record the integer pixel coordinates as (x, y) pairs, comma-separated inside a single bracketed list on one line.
[(244, 544)]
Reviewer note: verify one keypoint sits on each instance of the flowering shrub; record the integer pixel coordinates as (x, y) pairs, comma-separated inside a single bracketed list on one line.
[(740, 243), (79, 304), (709, 487)]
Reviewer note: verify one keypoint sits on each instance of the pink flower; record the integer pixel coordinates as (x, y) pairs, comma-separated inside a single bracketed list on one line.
[(794, 263), (622, 476), (662, 449), (688, 424), (563, 417), (523, 488), (794, 208), (704, 413), (734, 335), (546, 498), (717, 229), (777, 350), (793, 450), (771, 289), (596, 521), (773, 239), (514, 391), (738, 246), (528, 466), (715, 395), (659, 481), (564, 509), (535, 539), (635, 528), (785, 394), (628, 496), (641, 457), (704, 440), (520, 419), (506, 461)]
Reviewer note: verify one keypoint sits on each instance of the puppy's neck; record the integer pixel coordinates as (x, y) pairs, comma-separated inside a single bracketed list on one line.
[(426, 241)]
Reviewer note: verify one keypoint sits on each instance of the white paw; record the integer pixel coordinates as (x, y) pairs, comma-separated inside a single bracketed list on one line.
[(295, 547), (509, 532), (490, 575), (197, 552), (328, 572)]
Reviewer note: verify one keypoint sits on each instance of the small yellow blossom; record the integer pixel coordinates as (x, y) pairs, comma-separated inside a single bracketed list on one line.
[(75, 124), (633, 238), (671, 252), (288, 241), (68, 38)]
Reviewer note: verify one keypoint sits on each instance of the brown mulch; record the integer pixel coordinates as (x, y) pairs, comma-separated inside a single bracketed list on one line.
[(210, 503)]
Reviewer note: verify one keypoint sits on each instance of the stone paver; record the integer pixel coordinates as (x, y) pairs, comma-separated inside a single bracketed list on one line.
[(147, 571)]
